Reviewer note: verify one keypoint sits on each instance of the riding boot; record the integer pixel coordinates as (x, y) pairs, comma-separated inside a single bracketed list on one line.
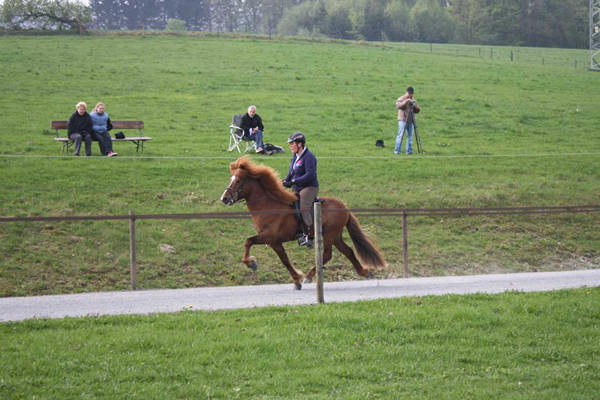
[(304, 238)]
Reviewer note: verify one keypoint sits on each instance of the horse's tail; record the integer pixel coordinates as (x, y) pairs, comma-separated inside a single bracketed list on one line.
[(366, 250)]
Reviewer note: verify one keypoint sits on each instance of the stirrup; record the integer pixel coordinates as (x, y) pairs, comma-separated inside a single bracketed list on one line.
[(304, 240)]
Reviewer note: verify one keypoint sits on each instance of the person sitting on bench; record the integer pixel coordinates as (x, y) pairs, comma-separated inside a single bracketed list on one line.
[(101, 125), (80, 128), (253, 127)]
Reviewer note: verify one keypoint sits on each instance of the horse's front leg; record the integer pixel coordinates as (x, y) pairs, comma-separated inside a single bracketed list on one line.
[(247, 259), (296, 275)]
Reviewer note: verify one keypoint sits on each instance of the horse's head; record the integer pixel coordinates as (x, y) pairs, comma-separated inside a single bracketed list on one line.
[(235, 190), (264, 177)]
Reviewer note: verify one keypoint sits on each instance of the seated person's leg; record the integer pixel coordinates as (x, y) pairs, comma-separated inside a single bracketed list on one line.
[(258, 138), (108, 143), (76, 138), (88, 144), (101, 141)]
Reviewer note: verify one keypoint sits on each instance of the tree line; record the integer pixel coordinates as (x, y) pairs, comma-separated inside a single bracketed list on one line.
[(544, 23), (253, 16)]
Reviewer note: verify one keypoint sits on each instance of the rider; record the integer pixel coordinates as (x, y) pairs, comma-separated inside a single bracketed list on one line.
[(302, 176)]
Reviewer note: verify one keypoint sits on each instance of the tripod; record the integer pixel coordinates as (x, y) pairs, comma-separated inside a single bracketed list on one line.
[(410, 113)]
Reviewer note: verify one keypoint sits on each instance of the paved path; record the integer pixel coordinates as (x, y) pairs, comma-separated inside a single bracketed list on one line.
[(172, 300)]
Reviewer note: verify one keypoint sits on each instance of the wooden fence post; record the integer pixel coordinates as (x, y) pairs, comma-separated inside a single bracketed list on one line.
[(132, 262), (405, 244), (319, 251)]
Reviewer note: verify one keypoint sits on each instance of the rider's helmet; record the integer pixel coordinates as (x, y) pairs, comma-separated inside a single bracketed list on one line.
[(297, 137)]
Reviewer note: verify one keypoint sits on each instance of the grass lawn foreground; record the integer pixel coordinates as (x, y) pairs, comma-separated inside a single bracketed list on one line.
[(511, 345)]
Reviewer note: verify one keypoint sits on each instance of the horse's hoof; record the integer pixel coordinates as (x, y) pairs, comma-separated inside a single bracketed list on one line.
[(307, 280), (297, 286), (253, 266)]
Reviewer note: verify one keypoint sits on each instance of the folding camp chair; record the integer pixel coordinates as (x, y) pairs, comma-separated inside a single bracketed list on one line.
[(237, 136)]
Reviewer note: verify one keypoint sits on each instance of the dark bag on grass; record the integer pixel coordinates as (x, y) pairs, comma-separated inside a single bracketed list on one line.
[(379, 143), (268, 147), (119, 135)]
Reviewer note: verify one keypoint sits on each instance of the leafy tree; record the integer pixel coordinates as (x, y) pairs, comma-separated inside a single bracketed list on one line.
[(561, 23), (337, 23), (298, 19), (46, 14), (374, 20), (273, 11), (397, 21), (431, 22), (466, 13), (502, 22)]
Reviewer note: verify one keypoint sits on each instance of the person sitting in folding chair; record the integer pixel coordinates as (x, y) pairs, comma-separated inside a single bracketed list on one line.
[(253, 127)]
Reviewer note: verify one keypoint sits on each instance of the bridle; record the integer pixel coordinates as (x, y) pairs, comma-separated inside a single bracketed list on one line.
[(235, 195)]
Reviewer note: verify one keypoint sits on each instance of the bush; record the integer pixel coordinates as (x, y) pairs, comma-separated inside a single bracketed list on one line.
[(175, 25)]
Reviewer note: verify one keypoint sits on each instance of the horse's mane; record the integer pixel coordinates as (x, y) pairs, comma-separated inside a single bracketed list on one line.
[(266, 176)]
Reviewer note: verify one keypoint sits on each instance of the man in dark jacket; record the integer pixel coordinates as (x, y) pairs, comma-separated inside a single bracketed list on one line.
[(80, 128), (253, 127)]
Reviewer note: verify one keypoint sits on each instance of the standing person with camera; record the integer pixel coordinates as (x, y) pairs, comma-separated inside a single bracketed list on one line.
[(407, 108)]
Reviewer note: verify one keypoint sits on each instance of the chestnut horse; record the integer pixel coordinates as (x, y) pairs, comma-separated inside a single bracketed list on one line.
[(271, 208)]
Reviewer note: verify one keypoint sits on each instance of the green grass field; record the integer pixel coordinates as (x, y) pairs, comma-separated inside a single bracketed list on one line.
[(496, 134), (507, 346)]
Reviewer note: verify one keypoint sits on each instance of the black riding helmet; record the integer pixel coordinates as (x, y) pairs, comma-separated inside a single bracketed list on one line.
[(297, 137)]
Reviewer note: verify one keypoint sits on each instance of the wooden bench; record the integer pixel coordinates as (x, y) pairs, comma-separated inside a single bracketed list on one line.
[(138, 141)]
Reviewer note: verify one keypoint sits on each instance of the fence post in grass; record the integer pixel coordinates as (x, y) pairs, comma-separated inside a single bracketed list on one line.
[(405, 243), (319, 251), (132, 263)]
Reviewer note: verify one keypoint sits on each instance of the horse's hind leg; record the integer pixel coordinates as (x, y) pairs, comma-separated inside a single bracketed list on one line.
[(349, 253), (296, 275), (326, 257)]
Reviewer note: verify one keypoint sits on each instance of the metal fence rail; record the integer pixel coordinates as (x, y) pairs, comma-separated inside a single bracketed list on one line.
[(403, 213), (374, 212)]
